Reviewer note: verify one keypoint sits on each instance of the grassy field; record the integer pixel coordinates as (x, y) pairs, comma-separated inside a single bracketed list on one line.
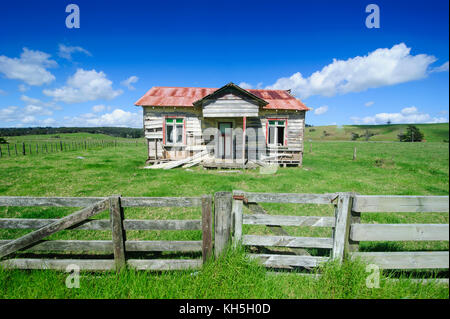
[(432, 132), (381, 168)]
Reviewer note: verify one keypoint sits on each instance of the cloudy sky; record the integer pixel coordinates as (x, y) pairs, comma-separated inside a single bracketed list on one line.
[(51, 75)]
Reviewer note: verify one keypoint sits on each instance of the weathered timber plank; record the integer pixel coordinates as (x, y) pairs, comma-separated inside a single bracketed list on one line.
[(424, 204), (106, 246), (207, 243), (287, 241), (161, 201), (405, 260), (87, 201), (104, 224), (49, 201), (118, 232), (424, 281), (54, 227), (276, 229), (237, 208), (342, 228), (281, 220), (164, 264), (399, 232), (222, 221), (290, 198), (59, 264), (275, 261)]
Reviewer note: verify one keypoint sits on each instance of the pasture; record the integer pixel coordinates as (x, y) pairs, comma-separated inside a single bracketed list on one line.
[(380, 168)]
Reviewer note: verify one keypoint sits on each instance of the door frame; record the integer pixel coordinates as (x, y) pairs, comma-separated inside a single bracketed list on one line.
[(223, 155)]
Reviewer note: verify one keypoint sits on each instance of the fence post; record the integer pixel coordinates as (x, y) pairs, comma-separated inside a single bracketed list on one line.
[(222, 221), (206, 227), (118, 233), (355, 218), (341, 230), (23, 148), (237, 206)]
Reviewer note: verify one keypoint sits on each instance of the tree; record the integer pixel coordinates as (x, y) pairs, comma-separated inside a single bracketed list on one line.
[(413, 134), (388, 122)]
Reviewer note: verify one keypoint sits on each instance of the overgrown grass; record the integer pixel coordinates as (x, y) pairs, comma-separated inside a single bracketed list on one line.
[(231, 276), (415, 169)]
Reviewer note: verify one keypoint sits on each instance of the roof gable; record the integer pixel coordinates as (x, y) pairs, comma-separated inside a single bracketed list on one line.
[(233, 89)]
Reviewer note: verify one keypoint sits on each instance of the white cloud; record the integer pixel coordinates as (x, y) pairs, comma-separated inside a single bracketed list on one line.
[(85, 86), (406, 115), (442, 68), (66, 52), (2, 92), (118, 117), (321, 110), (31, 67), (98, 108), (9, 114), (36, 110), (370, 103), (381, 67), (23, 88), (245, 85), (30, 100), (128, 82)]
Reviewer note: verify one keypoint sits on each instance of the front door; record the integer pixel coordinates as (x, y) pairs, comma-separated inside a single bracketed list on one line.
[(225, 142)]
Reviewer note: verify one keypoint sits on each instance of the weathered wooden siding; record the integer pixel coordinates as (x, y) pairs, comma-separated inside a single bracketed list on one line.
[(153, 128), (230, 105), (201, 131)]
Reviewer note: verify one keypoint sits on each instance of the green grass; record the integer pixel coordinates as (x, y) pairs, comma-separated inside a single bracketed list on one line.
[(231, 276), (381, 168), (432, 132)]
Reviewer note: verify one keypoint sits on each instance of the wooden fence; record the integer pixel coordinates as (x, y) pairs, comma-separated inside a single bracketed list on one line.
[(47, 146), (119, 245), (275, 222), (229, 218), (399, 232)]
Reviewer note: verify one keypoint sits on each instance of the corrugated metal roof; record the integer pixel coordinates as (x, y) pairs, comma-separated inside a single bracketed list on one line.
[(186, 96)]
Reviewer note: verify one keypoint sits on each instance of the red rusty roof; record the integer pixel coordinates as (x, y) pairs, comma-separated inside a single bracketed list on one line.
[(186, 96)]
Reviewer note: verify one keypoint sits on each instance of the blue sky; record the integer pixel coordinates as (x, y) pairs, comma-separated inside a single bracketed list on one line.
[(54, 76)]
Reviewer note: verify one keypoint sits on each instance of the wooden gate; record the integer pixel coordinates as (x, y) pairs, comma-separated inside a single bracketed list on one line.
[(296, 255), (119, 245)]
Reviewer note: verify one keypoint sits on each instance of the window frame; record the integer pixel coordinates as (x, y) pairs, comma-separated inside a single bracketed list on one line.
[(174, 124), (285, 120)]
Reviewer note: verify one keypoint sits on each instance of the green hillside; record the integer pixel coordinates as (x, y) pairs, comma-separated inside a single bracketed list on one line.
[(432, 132)]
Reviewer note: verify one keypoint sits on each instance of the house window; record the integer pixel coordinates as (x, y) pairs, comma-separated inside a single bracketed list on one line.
[(276, 132), (174, 131)]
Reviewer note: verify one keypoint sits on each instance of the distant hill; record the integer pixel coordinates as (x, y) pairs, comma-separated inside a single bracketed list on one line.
[(432, 132), (125, 132)]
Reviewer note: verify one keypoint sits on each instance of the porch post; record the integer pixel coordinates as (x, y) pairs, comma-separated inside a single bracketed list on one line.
[(243, 141)]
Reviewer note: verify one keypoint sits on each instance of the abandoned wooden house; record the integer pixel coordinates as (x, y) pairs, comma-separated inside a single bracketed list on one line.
[(225, 127)]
